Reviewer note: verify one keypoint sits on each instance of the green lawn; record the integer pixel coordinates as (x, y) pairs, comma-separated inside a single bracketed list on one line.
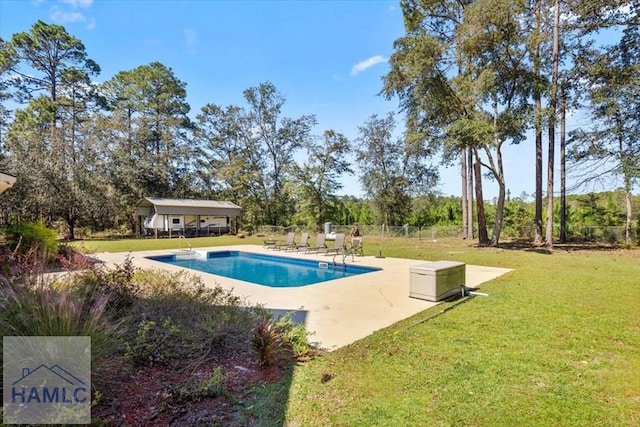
[(556, 343), (132, 245)]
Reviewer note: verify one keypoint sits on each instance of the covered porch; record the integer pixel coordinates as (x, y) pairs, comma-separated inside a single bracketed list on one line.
[(164, 217), (6, 181)]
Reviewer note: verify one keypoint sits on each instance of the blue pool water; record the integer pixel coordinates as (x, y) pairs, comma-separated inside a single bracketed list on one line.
[(267, 270)]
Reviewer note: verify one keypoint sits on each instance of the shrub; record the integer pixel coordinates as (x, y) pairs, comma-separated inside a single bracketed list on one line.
[(210, 320), (27, 267), (25, 236), (146, 349), (69, 258), (276, 339), (268, 340), (117, 285), (44, 310), (295, 334)]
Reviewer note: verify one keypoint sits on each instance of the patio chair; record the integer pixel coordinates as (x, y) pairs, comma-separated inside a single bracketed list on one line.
[(319, 244), (356, 246), (288, 244), (338, 245), (304, 243)]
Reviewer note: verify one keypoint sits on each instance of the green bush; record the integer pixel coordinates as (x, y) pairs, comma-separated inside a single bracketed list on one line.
[(276, 339), (151, 338), (210, 320), (268, 342), (296, 335), (27, 236)]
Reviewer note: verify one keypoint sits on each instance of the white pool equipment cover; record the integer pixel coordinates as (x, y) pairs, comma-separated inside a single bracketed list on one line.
[(434, 281)]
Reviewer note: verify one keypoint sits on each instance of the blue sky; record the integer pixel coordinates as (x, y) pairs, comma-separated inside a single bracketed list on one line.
[(327, 57)]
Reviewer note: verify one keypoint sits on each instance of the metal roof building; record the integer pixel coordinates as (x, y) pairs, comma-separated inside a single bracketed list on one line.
[(163, 216), (6, 181)]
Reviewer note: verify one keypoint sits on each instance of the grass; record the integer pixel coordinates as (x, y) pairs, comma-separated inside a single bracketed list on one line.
[(133, 245), (555, 343)]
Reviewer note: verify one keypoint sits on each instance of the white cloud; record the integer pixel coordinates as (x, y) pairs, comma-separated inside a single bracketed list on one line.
[(366, 64), (69, 12), (78, 3), (190, 39), (63, 17)]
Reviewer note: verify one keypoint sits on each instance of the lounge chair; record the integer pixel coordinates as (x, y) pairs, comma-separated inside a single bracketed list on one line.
[(304, 243), (288, 244), (269, 243), (319, 244), (338, 245)]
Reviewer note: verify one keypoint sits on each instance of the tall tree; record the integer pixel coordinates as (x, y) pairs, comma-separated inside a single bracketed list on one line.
[(392, 169), (230, 165), (150, 148), (492, 42), (536, 40), (274, 141), (247, 153), (553, 108), (423, 71), (563, 163), (223, 141), (610, 145), (28, 152), (38, 60), (50, 69), (462, 80), (318, 178), (7, 61)]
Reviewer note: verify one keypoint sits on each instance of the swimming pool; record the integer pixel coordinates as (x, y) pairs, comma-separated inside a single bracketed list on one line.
[(266, 270)]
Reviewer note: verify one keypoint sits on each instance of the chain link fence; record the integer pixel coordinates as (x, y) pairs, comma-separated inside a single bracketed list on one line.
[(581, 234)]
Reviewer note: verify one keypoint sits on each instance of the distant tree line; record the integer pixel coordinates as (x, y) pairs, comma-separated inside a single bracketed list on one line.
[(470, 76)]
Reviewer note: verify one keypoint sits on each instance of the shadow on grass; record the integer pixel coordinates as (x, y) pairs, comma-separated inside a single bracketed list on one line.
[(528, 246)]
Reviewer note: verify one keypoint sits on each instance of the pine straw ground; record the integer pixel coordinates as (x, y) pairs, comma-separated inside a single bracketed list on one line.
[(164, 396)]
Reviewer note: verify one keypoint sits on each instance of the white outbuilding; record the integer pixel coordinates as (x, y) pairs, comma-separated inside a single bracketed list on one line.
[(6, 181), (187, 217)]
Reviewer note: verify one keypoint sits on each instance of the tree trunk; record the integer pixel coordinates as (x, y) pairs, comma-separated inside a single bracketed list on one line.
[(563, 165), (483, 238), (498, 172), (629, 212), (470, 192), (552, 123), (537, 95), (463, 170), (626, 176), (72, 229), (497, 226)]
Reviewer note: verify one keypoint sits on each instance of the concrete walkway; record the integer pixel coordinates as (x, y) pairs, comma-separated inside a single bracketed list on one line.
[(337, 312)]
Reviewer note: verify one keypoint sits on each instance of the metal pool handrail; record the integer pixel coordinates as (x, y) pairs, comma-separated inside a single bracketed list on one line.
[(186, 241)]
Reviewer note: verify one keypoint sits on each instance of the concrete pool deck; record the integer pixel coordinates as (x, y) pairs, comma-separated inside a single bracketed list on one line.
[(337, 312)]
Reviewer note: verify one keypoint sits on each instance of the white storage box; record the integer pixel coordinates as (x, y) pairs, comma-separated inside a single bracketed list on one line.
[(437, 280)]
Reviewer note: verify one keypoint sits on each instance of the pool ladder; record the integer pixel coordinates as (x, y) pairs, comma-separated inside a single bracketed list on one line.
[(180, 238), (344, 255)]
